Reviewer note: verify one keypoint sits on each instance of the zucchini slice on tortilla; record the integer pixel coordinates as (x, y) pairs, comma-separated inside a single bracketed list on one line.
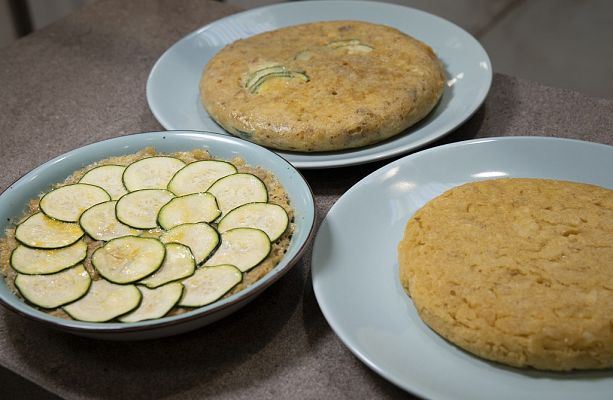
[(242, 247), (54, 290), (128, 259), (201, 238), (179, 263), (29, 261), (104, 301), (42, 232), (140, 209), (191, 208), (209, 284), (155, 303), (101, 223), (268, 217), (199, 176), (238, 189), (67, 203), (151, 173), (109, 178)]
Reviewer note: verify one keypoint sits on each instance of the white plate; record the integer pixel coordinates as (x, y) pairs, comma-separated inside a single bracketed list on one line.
[(355, 270), (172, 87)]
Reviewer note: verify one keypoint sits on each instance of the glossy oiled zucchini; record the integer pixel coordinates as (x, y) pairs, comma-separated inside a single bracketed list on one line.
[(104, 301), (40, 231), (242, 247), (139, 209), (101, 223), (54, 290), (209, 284), (268, 217), (67, 203), (201, 239), (29, 261), (199, 176), (128, 259), (155, 303), (238, 189), (151, 173), (179, 263), (191, 208), (109, 178)]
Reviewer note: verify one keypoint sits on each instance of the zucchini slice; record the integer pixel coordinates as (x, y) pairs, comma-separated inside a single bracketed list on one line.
[(238, 189), (26, 260), (155, 303), (259, 77), (191, 208), (201, 239), (104, 301), (209, 284), (140, 209), (151, 173), (67, 203), (242, 247), (199, 176), (43, 232), (109, 178), (268, 217), (128, 259), (100, 223), (54, 290), (178, 264)]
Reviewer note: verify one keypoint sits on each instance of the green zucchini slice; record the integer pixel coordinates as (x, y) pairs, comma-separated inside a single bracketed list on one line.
[(104, 301), (155, 303), (151, 173), (209, 284), (140, 209), (201, 239), (128, 259), (54, 290), (238, 189), (178, 264), (191, 208), (40, 231), (242, 247), (100, 223), (109, 178), (67, 203), (199, 176), (259, 77), (26, 260), (268, 217)]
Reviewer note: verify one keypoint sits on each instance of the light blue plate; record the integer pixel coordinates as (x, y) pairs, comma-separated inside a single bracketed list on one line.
[(13, 203), (172, 87), (355, 271)]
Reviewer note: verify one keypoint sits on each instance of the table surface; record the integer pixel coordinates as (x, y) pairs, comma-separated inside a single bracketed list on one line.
[(83, 80)]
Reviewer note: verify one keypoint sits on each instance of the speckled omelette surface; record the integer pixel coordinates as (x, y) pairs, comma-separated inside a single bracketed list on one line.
[(322, 86), (518, 271)]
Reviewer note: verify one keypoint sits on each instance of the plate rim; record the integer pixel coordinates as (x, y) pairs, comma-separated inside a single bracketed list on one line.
[(130, 141), (414, 387), (353, 156)]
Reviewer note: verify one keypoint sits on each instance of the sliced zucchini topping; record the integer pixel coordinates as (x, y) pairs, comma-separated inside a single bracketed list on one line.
[(199, 176), (155, 303), (191, 208), (151, 173), (352, 45), (201, 239), (67, 203), (259, 77), (242, 247), (178, 264), (54, 290), (100, 223), (43, 232), (26, 260), (209, 284), (109, 178), (268, 217), (128, 259), (104, 301), (140, 209), (238, 189)]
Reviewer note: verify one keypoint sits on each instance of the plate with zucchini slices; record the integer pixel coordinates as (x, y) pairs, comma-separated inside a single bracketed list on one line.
[(151, 234), (174, 98)]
